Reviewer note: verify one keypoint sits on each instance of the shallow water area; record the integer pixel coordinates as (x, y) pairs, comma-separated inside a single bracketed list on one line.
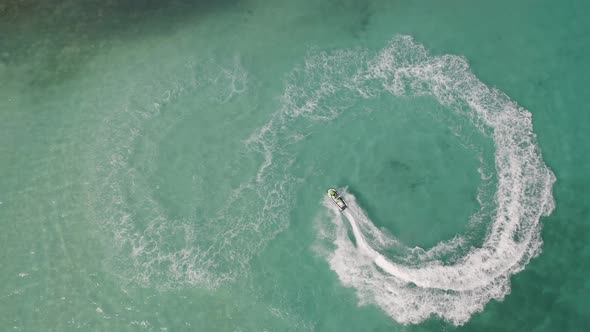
[(164, 166)]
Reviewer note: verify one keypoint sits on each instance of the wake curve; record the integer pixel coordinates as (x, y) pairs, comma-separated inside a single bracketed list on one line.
[(452, 291)]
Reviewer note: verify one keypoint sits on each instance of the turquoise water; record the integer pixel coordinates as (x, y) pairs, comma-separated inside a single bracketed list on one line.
[(164, 166)]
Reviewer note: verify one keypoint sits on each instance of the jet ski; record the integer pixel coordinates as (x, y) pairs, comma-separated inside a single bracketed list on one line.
[(337, 199)]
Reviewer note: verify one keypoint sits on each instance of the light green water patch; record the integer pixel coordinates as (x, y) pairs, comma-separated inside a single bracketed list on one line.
[(196, 166), (396, 154), (54, 253)]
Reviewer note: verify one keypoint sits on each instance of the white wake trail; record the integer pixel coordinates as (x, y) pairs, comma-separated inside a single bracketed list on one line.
[(416, 284), (379, 260)]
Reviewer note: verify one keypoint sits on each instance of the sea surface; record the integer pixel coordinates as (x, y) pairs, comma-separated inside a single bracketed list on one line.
[(164, 165)]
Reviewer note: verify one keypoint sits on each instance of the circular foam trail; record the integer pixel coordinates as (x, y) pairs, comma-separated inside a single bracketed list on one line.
[(149, 247), (410, 293)]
